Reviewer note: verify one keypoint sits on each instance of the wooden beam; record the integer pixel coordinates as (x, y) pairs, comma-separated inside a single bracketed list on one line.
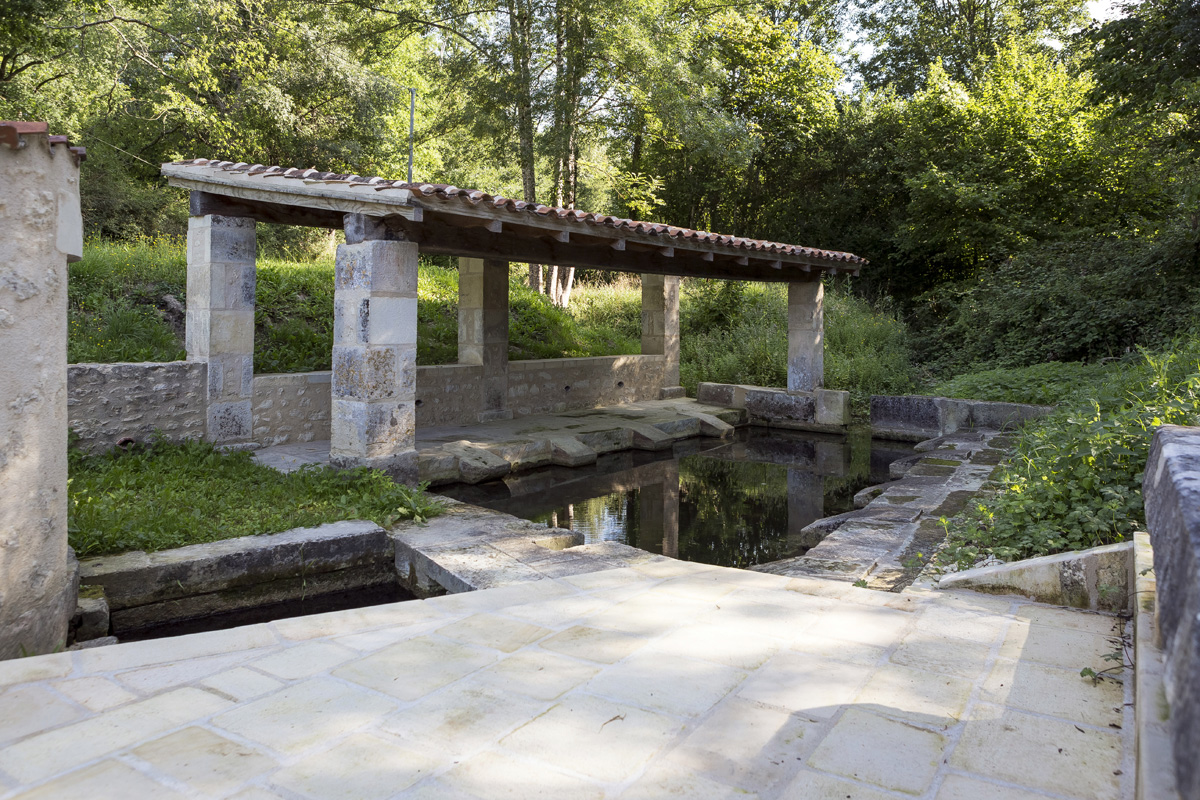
[(617, 244), (439, 239), (203, 203)]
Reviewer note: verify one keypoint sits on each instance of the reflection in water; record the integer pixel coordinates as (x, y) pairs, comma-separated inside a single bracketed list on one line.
[(735, 503)]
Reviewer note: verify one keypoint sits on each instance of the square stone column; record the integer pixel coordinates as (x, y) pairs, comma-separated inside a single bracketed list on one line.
[(483, 330), (660, 327), (806, 336), (375, 358), (220, 319), (40, 231)]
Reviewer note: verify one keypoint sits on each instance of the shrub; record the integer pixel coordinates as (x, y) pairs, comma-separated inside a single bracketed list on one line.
[(1040, 384), (1074, 480)]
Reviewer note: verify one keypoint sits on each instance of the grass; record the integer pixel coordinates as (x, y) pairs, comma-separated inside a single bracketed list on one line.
[(168, 495), (1074, 479), (122, 297)]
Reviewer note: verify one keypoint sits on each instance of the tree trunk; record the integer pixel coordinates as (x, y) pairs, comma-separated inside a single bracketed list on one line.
[(520, 34)]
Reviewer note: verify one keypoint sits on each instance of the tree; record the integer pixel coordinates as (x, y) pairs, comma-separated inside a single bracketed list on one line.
[(907, 36), (1148, 62)]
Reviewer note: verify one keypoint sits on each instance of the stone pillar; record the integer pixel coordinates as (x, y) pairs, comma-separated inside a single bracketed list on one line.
[(375, 357), (806, 332), (40, 231), (660, 327), (220, 320), (483, 330)]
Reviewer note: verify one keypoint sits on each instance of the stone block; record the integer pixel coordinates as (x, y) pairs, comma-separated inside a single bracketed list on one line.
[(567, 451), (137, 579), (775, 405), (393, 320), (908, 417), (672, 393), (1004, 416), (475, 464), (91, 619), (833, 407), (230, 422), (722, 394), (366, 372), (1094, 579), (378, 266)]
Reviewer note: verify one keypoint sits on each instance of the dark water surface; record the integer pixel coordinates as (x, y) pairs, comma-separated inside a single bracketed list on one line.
[(736, 502)]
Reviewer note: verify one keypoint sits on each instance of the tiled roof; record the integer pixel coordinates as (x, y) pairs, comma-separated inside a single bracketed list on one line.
[(11, 132), (471, 197)]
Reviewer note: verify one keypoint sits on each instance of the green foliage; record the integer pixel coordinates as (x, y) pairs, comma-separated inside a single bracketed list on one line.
[(1074, 480), (1041, 384), (909, 36), (169, 495), (866, 347), (114, 295), (1072, 301)]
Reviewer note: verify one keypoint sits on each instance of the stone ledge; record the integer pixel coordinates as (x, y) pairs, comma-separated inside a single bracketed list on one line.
[(920, 417), (137, 578), (1155, 778), (1096, 579)]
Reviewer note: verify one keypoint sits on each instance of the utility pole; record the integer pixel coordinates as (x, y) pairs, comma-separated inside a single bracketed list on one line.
[(412, 118)]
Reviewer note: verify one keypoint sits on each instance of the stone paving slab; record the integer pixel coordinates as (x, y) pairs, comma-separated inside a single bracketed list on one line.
[(665, 678), (491, 450)]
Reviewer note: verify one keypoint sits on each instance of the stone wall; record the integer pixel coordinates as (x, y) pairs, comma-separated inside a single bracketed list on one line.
[(111, 401), (916, 418), (824, 410), (291, 407), (448, 394), (108, 402), (1171, 492), (545, 386), (40, 231)]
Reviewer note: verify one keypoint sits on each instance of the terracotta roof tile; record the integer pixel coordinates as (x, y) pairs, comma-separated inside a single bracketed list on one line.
[(475, 197)]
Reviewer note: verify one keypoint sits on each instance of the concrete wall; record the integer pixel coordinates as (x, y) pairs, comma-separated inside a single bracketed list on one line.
[(291, 407), (1171, 491), (107, 402), (40, 230)]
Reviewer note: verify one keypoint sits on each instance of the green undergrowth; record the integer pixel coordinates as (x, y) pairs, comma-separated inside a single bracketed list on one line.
[(1041, 384), (737, 333), (166, 495), (1074, 479)]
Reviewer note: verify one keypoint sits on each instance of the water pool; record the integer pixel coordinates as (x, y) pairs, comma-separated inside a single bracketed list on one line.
[(735, 502)]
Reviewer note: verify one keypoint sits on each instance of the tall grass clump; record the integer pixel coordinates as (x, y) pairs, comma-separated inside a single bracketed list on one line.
[(1074, 479), (115, 301), (737, 333)]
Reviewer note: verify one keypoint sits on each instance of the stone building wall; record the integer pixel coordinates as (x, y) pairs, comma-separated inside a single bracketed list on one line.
[(291, 407), (108, 402), (40, 231)]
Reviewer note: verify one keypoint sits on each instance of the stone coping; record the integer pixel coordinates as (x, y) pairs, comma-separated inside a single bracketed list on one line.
[(660, 679)]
